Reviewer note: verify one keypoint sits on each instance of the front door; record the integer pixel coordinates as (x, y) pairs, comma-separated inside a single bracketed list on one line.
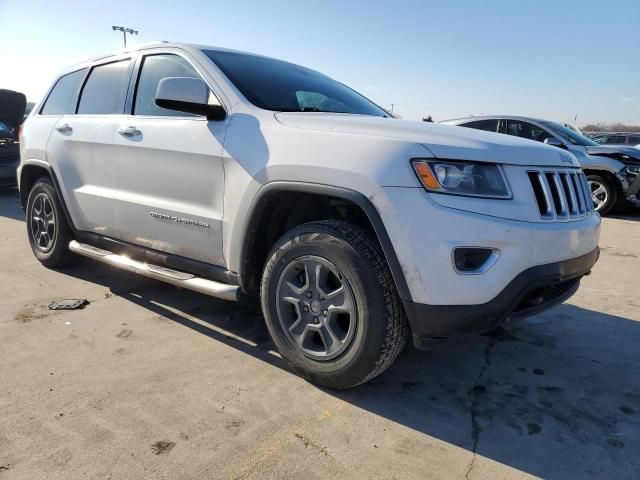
[(169, 170)]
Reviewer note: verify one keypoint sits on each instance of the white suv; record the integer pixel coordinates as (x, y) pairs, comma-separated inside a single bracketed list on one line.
[(236, 175)]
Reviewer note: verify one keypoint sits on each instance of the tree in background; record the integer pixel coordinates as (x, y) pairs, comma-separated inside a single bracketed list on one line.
[(610, 127)]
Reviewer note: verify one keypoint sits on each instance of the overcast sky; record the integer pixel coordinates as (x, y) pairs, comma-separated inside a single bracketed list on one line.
[(553, 59)]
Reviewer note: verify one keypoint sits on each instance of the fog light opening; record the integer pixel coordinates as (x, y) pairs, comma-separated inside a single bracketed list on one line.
[(474, 260)]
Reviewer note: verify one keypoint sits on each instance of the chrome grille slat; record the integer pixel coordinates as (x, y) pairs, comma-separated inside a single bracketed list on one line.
[(587, 192), (573, 200), (579, 193), (546, 188), (561, 193)]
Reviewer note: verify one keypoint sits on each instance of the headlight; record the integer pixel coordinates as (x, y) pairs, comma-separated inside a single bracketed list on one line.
[(634, 169), (455, 177)]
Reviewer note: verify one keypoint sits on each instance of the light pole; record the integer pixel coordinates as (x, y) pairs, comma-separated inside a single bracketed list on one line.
[(124, 31)]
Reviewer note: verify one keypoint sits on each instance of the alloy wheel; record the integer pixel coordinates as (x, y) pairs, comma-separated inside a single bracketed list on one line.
[(316, 307), (43, 222), (599, 194)]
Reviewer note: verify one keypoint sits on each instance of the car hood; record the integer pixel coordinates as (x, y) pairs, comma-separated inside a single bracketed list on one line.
[(622, 153), (13, 105), (444, 141)]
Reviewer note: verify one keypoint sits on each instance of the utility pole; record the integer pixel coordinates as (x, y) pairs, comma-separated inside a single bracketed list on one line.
[(392, 105), (124, 31)]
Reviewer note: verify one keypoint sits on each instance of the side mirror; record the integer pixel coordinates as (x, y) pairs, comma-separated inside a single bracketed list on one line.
[(554, 142), (190, 95)]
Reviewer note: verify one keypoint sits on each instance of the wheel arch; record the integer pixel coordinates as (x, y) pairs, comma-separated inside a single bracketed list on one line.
[(257, 241), (30, 172), (612, 177)]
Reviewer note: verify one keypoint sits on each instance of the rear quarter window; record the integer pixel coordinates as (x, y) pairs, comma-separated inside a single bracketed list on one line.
[(62, 98)]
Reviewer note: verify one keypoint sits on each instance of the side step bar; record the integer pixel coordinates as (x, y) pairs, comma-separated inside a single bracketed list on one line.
[(174, 277)]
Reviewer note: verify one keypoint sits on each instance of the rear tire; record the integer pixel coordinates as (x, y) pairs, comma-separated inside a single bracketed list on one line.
[(331, 305), (604, 193), (47, 228)]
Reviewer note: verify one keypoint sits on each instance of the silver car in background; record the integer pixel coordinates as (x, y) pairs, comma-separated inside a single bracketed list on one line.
[(615, 138), (613, 172)]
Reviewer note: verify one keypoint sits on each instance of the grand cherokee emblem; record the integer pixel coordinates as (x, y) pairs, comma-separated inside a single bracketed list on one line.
[(181, 220)]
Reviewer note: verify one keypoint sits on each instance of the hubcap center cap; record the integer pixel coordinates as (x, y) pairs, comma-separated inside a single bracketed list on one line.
[(316, 307)]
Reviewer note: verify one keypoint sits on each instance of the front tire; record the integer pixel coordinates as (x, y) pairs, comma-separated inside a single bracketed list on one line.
[(331, 305), (604, 193), (47, 228)]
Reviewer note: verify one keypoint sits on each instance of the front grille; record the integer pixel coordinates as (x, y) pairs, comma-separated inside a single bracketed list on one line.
[(561, 194)]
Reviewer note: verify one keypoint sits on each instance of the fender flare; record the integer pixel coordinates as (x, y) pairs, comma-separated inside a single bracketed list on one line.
[(27, 165), (255, 212)]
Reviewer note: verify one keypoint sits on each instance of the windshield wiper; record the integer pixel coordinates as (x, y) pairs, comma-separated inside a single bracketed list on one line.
[(314, 109), (319, 110)]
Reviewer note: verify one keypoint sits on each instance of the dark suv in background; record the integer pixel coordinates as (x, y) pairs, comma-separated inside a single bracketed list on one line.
[(12, 108)]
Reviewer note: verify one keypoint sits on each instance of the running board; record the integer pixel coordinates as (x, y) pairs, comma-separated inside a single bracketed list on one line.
[(174, 277)]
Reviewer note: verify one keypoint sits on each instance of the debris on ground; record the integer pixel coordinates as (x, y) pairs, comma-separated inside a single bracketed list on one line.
[(69, 304)]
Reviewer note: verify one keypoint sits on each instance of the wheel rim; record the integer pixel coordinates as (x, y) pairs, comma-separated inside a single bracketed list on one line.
[(43, 222), (316, 307), (599, 194)]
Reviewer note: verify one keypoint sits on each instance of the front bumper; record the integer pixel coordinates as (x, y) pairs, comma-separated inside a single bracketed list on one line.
[(631, 186), (539, 263), (424, 235), (534, 290)]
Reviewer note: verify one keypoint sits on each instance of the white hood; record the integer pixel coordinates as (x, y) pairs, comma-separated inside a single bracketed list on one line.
[(444, 141)]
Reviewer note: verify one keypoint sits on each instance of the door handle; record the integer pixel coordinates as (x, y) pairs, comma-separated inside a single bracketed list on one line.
[(130, 131), (64, 128)]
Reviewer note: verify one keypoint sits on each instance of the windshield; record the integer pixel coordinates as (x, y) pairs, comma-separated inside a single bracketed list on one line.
[(284, 87), (569, 135)]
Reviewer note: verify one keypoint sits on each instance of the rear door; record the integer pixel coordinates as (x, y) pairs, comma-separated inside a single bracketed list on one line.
[(81, 147), (37, 129), (169, 170)]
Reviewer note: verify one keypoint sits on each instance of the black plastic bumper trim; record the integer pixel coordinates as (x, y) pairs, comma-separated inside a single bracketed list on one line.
[(441, 321)]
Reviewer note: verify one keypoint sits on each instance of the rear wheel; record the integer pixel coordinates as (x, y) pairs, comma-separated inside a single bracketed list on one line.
[(331, 305), (49, 233), (604, 193)]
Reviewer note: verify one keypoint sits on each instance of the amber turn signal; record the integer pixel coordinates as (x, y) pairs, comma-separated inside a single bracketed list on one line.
[(426, 176)]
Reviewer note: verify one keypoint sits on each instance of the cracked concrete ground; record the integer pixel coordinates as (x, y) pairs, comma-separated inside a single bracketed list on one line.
[(152, 382)]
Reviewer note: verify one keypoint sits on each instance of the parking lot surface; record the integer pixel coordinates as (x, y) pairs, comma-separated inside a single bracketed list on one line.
[(149, 381)]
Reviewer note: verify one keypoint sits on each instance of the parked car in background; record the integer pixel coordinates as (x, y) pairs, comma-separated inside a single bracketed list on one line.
[(613, 172), (235, 174), (12, 107), (611, 138)]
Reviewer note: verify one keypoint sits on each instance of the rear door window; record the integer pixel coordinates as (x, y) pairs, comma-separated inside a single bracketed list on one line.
[(62, 99), (487, 125), (104, 91), (518, 128)]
